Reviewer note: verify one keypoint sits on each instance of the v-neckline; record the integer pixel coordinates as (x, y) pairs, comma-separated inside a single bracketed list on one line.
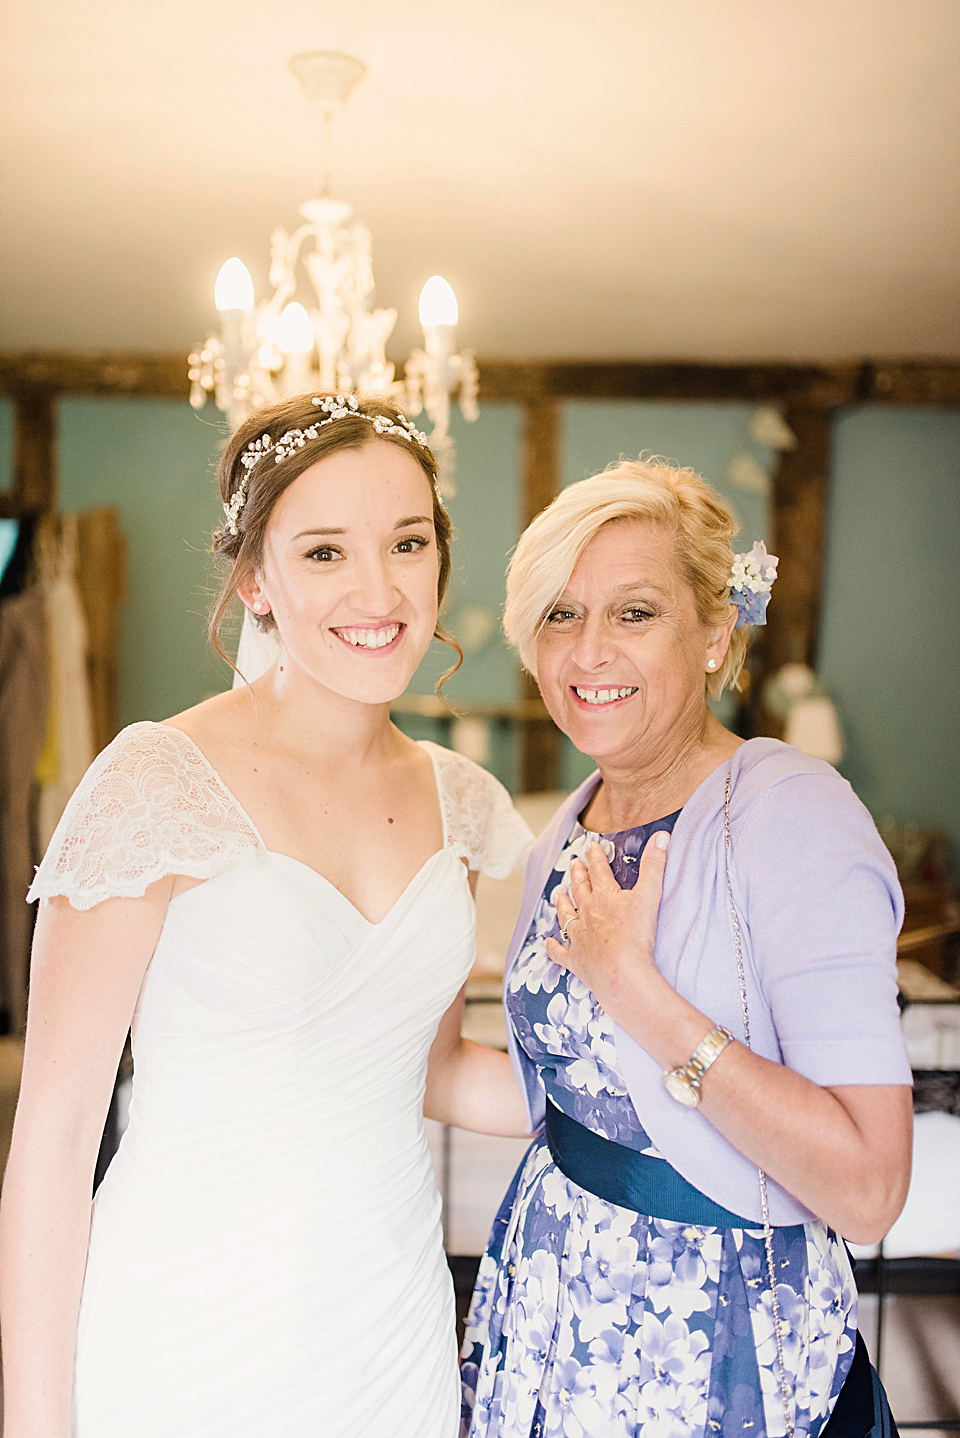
[(290, 858), (341, 896)]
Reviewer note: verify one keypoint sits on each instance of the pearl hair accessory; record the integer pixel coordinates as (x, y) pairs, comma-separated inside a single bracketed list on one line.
[(332, 407)]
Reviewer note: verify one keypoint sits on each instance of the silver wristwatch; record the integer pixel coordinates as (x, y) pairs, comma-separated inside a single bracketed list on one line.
[(683, 1084)]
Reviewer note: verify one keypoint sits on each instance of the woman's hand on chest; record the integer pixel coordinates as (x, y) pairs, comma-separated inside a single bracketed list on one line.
[(611, 932)]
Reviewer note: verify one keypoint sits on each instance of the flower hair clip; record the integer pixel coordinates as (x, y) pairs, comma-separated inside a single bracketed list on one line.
[(750, 583), (332, 407)]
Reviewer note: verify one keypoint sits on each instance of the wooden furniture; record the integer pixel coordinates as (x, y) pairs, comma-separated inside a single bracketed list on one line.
[(538, 736), (922, 1275), (931, 930)]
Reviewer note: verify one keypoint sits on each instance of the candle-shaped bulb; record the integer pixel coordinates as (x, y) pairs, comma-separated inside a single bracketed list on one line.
[(438, 303), (295, 332), (234, 287)]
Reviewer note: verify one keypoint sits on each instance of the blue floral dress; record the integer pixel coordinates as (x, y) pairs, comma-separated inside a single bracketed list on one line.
[(592, 1321)]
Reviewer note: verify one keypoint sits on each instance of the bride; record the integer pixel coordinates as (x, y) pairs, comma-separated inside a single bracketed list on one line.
[(274, 890)]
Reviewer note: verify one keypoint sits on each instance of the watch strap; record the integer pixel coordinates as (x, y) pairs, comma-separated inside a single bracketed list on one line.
[(708, 1051), (683, 1084)]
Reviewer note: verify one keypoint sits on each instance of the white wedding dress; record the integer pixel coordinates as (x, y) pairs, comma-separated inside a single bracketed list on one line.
[(265, 1253)]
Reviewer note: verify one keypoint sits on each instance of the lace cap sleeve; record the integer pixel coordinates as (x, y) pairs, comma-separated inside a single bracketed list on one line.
[(479, 820), (148, 806)]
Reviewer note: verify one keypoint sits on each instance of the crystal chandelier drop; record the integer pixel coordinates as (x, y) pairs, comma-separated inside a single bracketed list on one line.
[(332, 339)]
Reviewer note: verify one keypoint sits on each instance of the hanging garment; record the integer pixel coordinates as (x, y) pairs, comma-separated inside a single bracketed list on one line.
[(70, 747), (24, 696)]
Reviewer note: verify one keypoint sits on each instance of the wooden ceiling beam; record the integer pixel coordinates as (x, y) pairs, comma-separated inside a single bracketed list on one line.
[(97, 372), (666, 380), (809, 386)]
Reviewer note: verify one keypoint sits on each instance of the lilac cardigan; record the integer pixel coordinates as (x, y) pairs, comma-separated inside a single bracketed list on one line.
[(820, 908)]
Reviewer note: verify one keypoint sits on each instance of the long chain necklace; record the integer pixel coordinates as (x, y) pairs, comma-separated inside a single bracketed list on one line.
[(764, 1205)]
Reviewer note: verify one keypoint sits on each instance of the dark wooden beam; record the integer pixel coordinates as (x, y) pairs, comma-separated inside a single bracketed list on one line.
[(666, 380), (820, 386), (800, 496), (34, 452), (162, 376), (541, 457), (540, 740), (102, 582), (909, 382), (808, 385)]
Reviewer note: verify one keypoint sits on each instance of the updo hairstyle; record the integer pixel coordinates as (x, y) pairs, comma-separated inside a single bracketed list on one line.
[(268, 480), (677, 500)]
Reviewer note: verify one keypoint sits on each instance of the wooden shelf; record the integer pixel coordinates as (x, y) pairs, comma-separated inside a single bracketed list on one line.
[(431, 706), (930, 934)]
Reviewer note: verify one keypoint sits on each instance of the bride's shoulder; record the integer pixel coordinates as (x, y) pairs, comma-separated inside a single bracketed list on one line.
[(143, 746), (149, 805), (480, 822), (461, 780), (148, 761)]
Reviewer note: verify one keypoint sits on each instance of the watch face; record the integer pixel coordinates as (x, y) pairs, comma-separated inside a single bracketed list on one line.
[(679, 1087)]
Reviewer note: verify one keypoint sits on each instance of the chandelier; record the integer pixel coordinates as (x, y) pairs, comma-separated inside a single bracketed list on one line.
[(332, 339)]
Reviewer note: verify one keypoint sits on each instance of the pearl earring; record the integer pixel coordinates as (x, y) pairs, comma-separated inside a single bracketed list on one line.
[(711, 664), (257, 606)]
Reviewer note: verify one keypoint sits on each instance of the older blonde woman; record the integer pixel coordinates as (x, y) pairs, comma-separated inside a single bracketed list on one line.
[(642, 1275)]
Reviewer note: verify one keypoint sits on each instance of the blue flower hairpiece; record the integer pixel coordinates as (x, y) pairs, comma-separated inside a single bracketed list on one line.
[(750, 583)]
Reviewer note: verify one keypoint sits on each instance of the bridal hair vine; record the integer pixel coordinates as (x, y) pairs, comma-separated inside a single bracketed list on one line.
[(750, 584), (332, 407)]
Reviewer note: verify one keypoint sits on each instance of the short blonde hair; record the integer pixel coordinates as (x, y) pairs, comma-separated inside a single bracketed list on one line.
[(654, 490)]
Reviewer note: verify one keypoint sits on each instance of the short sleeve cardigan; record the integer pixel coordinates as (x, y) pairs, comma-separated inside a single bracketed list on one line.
[(819, 907)]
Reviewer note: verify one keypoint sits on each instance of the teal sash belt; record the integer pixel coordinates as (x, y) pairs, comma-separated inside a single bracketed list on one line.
[(633, 1180)]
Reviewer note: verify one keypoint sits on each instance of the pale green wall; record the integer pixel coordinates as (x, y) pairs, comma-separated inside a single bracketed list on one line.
[(6, 443), (890, 637), (890, 649), (704, 437), (154, 459)]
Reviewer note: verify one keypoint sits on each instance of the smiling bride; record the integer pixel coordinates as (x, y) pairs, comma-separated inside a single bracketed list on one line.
[(274, 890)]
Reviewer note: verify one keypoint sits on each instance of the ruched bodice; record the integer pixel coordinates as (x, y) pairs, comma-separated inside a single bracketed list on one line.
[(265, 1254)]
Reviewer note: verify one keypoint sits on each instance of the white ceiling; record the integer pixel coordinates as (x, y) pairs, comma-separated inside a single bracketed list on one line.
[(597, 178)]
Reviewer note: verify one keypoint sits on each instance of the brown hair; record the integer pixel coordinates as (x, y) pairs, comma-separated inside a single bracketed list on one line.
[(268, 480)]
